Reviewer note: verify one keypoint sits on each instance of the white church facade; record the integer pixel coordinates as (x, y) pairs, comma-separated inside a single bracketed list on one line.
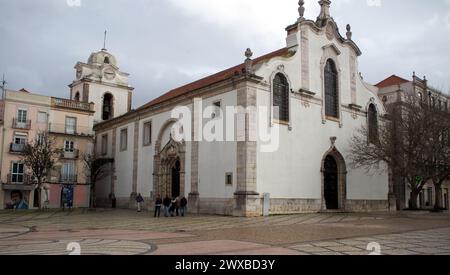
[(320, 101)]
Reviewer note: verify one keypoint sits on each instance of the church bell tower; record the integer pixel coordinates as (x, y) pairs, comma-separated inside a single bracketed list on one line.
[(100, 81)]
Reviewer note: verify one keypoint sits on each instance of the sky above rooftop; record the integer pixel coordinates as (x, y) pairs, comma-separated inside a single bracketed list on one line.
[(164, 44)]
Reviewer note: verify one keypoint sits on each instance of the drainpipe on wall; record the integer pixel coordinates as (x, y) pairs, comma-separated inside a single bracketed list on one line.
[(3, 85)]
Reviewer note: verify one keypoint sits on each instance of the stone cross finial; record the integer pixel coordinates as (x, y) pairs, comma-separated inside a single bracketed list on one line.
[(349, 32), (301, 9), (324, 15), (248, 61)]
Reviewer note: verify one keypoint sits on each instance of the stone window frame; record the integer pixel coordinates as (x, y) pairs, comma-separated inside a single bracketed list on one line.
[(229, 176), (112, 102), (123, 142), (331, 52), (334, 94), (280, 69), (369, 123), (104, 144), (144, 142)]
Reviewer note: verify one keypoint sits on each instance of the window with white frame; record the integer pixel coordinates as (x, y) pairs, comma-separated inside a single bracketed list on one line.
[(68, 174), (71, 125), (40, 138), (69, 146), (147, 133), (19, 142), (22, 115), (17, 172), (20, 139), (42, 117)]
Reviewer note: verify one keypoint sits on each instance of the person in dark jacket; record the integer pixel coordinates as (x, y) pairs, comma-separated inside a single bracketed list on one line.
[(158, 203), (166, 203), (139, 201), (183, 206), (173, 207)]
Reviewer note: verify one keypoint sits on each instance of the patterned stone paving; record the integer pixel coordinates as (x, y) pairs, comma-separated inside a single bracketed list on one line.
[(129, 233), (429, 242)]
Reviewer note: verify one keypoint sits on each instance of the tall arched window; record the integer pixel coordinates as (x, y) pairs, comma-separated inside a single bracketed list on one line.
[(373, 123), (107, 111), (331, 90), (106, 60), (281, 97), (77, 96)]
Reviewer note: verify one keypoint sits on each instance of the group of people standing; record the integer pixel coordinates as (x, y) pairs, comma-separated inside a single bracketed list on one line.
[(172, 206)]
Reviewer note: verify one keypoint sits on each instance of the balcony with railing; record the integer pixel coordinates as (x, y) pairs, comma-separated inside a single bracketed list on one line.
[(21, 124), (22, 182), (72, 104), (17, 148), (69, 130), (68, 178), (74, 154), (19, 179)]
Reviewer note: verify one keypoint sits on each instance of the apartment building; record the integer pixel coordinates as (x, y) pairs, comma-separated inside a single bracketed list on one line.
[(69, 123)]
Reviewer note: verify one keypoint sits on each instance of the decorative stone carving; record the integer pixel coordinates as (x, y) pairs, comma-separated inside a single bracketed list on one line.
[(281, 68), (353, 73), (305, 58), (306, 104), (329, 32), (349, 32), (301, 10), (333, 141), (248, 61), (324, 15)]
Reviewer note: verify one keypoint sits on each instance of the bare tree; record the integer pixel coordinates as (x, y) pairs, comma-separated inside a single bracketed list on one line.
[(40, 157), (95, 169), (438, 153), (409, 143)]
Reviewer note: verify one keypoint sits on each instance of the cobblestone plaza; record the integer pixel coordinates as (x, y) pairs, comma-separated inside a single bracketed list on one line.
[(123, 232)]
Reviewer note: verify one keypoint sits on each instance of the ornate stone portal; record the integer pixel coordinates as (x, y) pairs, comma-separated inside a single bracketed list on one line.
[(171, 171), (169, 166)]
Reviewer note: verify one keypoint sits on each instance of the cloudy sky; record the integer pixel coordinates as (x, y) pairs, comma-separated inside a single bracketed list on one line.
[(166, 43)]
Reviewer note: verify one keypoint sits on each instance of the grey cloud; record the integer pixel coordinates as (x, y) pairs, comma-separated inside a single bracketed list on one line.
[(162, 47)]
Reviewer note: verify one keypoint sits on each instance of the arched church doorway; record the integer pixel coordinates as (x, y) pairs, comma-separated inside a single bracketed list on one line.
[(176, 184), (334, 181), (331, 183), (169, 164)]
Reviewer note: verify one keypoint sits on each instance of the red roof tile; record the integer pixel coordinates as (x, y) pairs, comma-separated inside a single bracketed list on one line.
[(211, 79), (390, 81)]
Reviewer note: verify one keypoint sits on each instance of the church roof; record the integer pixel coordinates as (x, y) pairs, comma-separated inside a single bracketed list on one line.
[(183, 90), (390, 81)]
